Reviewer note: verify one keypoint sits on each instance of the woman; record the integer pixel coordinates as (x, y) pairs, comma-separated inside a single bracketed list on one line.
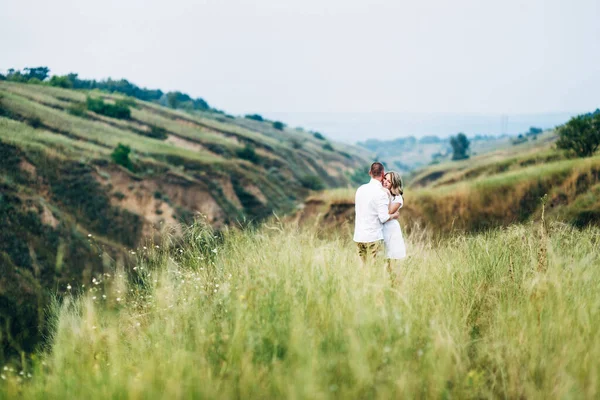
[(392, 234)]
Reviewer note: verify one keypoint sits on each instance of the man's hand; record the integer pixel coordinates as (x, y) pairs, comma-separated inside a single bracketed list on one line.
[(395, 215)]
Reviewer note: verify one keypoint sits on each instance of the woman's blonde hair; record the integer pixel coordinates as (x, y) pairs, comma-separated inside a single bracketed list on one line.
[(395, 183)]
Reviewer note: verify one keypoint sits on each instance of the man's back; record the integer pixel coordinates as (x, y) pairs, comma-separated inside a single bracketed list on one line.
[(371, 207)]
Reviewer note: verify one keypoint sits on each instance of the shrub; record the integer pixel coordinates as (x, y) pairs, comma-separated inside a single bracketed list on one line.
[(35, 122), (312, 182), (255, 117), (121, 156), (581, 135), (157, 132), (61, 81), (533, 131), (118, 110), (319, 136), (460, 146), (519, 139), (296, 144), (248, 152), (278, 125), (328, 147)]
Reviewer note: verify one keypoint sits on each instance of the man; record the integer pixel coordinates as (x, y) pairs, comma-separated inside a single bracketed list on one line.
[(372, 211)]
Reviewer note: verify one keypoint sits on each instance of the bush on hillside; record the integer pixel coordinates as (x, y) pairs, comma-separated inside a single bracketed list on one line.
[(248, 152), (35, 122), (519, 139), (328, 147), (157, 132), (319, 136), (255, 117), (119, 110), (278, 125), (312, 182), (581, 135), (460, 147), (296, 144), (120, 156), (61, 81)]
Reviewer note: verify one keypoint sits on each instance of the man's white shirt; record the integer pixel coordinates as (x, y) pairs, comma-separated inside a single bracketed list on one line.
[(372, 211)]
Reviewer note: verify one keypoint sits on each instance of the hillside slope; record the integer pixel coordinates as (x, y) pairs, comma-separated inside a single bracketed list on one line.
[(61, 184), (490, 190)]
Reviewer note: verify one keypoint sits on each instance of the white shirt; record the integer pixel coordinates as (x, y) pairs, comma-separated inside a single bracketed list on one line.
[(372, 211)]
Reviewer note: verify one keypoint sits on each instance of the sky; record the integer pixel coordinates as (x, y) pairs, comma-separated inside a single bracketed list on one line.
[(322, 60)]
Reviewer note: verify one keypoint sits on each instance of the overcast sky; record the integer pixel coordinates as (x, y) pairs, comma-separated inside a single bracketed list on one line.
[(426, 56)]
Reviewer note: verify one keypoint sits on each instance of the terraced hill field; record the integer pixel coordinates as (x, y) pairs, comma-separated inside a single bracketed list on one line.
[(68, 187)]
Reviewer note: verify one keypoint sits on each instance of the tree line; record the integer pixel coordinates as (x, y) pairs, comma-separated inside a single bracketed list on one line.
[(41, 75)]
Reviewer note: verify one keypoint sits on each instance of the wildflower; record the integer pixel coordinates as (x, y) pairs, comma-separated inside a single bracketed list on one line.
[(68, 287), (3, 376), (94, 298), (145, 248), (157, 246), (103, 296), (89, 235), (138, 324), (214, 251), (118, 299)]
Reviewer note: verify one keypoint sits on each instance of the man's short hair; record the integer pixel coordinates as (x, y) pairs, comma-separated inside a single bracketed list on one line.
[(376, 169)]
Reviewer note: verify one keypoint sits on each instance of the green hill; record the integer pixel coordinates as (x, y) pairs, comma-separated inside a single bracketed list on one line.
[(488, 190), (76, 164)]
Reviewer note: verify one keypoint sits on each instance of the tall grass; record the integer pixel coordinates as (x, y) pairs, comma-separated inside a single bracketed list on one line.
[(280, 312)]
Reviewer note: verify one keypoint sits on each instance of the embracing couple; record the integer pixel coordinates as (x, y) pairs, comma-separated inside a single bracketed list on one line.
[(377, 204)]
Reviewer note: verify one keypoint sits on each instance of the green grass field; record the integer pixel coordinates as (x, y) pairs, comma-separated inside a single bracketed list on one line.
[(280, 312)]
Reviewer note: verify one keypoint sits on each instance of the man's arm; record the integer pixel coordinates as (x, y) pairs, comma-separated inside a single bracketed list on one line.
[(383, 211)]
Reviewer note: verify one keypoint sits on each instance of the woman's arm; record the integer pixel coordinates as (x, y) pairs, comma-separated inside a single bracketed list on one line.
[(396, 204), (394, 207)]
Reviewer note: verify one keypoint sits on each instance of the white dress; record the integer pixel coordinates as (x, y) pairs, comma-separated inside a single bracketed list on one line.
[(392, 236)]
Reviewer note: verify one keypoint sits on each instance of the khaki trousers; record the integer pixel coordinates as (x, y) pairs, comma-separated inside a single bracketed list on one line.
[(368, 252)]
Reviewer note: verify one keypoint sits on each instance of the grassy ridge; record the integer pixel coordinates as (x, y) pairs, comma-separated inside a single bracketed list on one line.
[(279, 312)]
